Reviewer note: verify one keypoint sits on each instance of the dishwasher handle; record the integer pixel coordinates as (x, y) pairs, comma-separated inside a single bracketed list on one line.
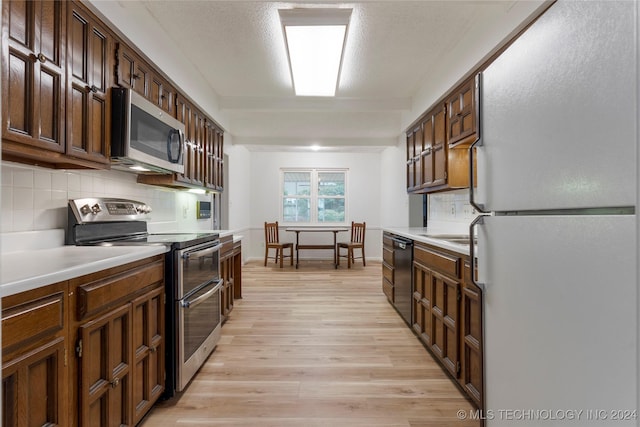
[(402, 243)]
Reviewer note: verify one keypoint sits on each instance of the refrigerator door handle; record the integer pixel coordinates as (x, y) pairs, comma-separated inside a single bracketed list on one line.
[(477, 143), (479, 220)]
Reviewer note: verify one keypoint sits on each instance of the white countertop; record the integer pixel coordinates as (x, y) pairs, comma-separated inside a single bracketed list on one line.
[(417, 234), (29, 269)]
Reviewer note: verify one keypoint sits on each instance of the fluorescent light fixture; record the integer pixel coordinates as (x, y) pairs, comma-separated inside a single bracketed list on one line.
[(315, 147), (315, 41)]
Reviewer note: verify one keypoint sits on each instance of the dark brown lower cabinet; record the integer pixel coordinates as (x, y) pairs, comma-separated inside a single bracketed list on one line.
[(104, 352), (226, 274), (388, 268), (237, 269), (148, 351), (471, 377), (85, 352), (447, 315), (34, 344), (118, 332)]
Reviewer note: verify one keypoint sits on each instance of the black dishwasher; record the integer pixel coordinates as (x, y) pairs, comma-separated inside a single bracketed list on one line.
[(403, 283)]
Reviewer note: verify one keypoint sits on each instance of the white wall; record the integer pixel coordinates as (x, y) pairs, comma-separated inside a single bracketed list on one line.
[(238, 191), (364, 182), (394, 201)]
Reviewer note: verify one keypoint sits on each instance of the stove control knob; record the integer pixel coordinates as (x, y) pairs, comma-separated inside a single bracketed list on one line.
[(85, 210), (96, 209)]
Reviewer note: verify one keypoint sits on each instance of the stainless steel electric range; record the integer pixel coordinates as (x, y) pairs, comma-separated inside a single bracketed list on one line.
[(192, 277)]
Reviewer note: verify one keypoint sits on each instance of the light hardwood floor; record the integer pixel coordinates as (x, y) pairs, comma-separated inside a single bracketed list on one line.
[(316, 347)]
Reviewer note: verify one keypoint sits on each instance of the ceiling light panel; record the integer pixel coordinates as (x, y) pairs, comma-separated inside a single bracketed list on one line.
[(315, 41)]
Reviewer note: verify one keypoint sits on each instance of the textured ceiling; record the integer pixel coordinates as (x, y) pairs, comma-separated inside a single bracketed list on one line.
[(392, 49)]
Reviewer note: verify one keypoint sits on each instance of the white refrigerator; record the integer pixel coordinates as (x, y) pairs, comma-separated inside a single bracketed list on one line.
[(558, 253)]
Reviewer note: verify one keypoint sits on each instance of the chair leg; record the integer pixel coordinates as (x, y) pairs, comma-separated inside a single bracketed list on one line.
[(364, 263), (281, 256), (291, 255), (266, 254), (349, 257)]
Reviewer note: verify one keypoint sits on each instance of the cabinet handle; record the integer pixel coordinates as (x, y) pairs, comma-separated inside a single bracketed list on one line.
[(115, 382), (135, 76), (42, 58), (152, 349), (93, 88)]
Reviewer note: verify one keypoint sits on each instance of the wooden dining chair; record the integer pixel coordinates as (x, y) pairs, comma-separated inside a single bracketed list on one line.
[(357, 242), (272, 241)]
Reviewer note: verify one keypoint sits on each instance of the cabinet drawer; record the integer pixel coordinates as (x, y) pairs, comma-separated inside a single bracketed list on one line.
[(34, 318), (105, 292), (387, 241), (387, 256), (439, 261), (388, 272)]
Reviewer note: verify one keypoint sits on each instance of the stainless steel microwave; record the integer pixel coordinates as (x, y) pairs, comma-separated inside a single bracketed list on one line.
[(143, 136)]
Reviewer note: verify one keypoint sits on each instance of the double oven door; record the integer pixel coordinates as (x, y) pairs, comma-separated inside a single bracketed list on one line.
[(197, 308)]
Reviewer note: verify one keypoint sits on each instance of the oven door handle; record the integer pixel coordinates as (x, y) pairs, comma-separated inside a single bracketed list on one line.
[(203, 252), (193, 303)]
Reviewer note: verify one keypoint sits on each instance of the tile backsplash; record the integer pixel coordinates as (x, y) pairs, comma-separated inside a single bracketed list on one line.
[(451, 206), (36, 198)]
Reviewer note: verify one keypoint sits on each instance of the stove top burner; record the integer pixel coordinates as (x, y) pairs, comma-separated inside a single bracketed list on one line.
[(121, 222), (176, 240)]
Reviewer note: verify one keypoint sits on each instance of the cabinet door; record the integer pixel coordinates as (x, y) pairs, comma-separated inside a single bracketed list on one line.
[(461, 123), (196, 167), (162, 94), (427, 155), (105, 353), (219, 168), (132, 71), (210, 156), (184, 114), (148, 348), (33, 67), (445, 294), (422, 319), (34, 345), (237, 270), (33, 387), (226, 295), (471, 378), (440, 148), (89, 49)]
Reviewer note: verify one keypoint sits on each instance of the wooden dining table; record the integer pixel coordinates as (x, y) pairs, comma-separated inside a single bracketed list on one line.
[(334, 247)]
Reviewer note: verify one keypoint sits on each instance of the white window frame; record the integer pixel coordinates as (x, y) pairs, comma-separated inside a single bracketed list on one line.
[(314, 172)]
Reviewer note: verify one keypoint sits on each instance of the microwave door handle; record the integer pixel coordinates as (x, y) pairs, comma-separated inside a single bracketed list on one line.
[(180, 145), (203, 297), (200, 254)]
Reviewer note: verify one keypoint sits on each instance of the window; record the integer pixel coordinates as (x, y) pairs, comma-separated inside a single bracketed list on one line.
[(314, 196)]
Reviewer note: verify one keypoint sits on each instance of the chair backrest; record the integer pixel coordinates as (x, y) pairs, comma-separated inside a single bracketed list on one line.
[(357, 231), (271, 232)]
